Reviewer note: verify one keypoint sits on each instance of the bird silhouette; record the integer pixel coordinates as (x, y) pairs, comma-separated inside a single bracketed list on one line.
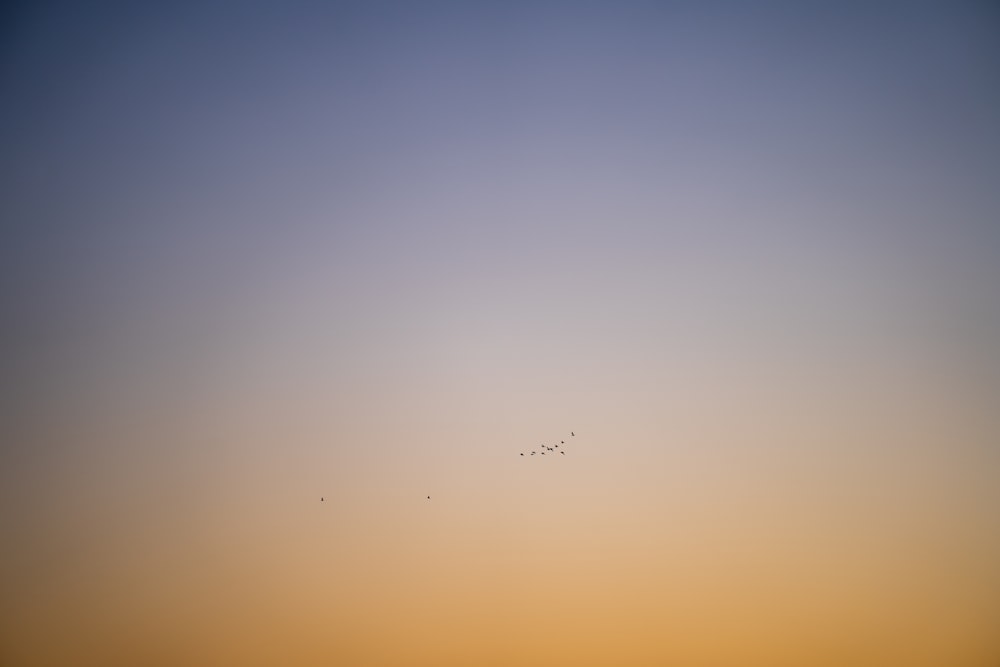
[(571, 433), (321, 500), (563, 453), (522, 453), (428, 497), (561, 442)]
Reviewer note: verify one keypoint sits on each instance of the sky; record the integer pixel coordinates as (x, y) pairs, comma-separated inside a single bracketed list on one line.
[(259, 254)]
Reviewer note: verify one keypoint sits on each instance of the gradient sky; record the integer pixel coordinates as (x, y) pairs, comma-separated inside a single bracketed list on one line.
[(255, 254)]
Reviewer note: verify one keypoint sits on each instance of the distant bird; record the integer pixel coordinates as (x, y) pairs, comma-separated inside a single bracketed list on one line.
[(321, 500), (543, 453), (571, 433), (522, 453), (428, 497), (563, 453), (561, 442), (532, 453)]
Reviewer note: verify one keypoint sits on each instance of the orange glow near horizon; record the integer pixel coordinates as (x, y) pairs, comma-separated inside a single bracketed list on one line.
[(266, 253)]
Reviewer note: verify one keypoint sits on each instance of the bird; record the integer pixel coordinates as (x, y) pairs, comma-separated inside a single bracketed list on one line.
[(428, 497), (321, 500), (532, 453), (571, 433), (543, 453), (522, 453), (561, 442), (563, 453)]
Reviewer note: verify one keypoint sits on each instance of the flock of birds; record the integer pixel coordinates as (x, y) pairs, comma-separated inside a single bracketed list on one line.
[(544, 449), (553, 448)]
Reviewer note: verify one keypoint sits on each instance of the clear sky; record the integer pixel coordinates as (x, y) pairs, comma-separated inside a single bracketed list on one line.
[(256, 254)]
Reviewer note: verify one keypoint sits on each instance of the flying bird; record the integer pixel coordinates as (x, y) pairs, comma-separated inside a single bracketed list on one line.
[(571, 433), (321, 500)]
